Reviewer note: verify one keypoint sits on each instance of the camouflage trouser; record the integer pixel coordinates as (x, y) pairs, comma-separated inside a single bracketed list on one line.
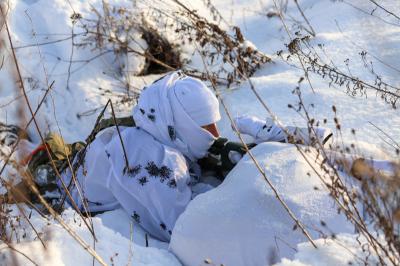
[(42, 167)]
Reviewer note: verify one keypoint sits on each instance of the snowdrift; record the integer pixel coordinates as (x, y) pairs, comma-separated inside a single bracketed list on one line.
[(114, 233), (344, 250), (242, 223)]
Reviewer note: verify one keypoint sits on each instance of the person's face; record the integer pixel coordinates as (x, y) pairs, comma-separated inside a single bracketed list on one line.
[(213, 129)]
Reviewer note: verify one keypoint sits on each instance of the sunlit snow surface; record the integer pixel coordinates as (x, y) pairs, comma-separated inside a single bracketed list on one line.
[(242, 223), (379, 35)]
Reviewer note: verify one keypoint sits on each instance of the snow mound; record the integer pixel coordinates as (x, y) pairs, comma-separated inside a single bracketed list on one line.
[(242, 223), (344, 250), (61, 249)]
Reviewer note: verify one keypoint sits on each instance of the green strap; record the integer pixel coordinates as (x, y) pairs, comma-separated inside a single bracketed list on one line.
[(109, 122)]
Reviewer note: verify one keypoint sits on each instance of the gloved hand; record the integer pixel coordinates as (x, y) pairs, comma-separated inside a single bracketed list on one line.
[(249, 125), (269, 130), (260, 130)]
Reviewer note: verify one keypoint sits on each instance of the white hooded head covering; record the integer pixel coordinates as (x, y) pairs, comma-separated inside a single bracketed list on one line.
[(174, 108)]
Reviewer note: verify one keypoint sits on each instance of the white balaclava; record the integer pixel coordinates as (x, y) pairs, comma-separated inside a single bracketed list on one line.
[(174, 108)]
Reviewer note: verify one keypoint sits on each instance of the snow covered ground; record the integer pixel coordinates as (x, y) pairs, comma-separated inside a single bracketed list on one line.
[(242, 223), (343, 28)]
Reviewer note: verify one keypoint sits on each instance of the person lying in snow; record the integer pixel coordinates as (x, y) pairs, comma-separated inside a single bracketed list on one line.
[(175, 126)]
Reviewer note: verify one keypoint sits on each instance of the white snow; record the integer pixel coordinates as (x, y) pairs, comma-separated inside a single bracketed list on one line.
[(344, 250), (344, 28), (241, 223), (113, 242)]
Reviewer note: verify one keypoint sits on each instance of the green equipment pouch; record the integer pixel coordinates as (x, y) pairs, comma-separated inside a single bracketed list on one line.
[(42, 169)]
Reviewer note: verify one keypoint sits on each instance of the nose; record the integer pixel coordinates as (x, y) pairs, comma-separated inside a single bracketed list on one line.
[(213, 129)]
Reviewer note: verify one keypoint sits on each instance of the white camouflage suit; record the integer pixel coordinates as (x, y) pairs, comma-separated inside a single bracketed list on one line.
[(156, 186)]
